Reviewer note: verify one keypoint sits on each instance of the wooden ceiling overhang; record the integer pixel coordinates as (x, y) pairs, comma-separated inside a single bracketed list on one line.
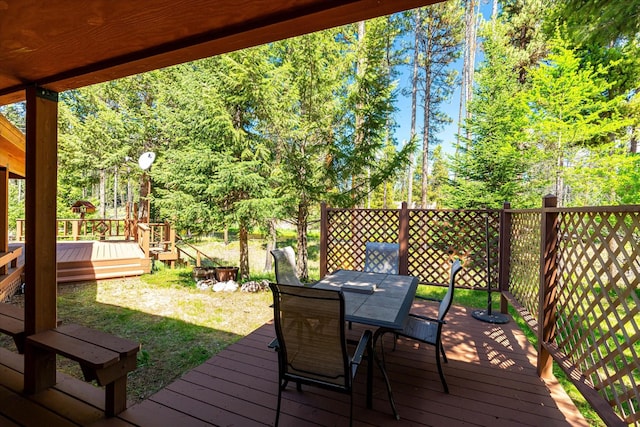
[(61, 44)]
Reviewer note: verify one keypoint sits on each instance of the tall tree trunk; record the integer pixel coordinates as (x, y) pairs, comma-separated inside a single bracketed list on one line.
[(144, 207), (427, 119), (356, 181), (103, 193), (414, 99), (244, 250), (302, 265), (468, 67), (271, 244), (115, 192)]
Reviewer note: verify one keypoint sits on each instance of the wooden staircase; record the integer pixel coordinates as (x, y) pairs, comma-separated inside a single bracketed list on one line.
[(86, 270)]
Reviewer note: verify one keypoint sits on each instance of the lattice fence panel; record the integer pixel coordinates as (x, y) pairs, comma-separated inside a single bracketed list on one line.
[(524, 271), (436, 236), (598, 315), (349, 230)]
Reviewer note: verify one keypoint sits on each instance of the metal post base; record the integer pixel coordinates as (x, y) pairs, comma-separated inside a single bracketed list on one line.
[(485, 316)]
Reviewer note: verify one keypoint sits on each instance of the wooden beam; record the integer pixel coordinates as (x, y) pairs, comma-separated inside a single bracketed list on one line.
[(134, 37), (40, 236), (12, 146)]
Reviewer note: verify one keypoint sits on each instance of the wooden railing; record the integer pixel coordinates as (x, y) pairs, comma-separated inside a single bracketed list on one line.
[(10, 272), (84, 229), (155, 239), (197, 257), (158, 241), (582, 297), (572, 273)]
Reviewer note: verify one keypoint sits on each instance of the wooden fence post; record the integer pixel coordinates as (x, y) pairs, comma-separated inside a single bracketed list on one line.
[(19, 230), (324, 233), (504, 248), (548, 283), (403, 239), (75, 230)]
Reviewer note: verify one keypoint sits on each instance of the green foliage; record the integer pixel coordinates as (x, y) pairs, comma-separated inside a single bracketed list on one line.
[(600, 22), (568, 110), (489, 167)]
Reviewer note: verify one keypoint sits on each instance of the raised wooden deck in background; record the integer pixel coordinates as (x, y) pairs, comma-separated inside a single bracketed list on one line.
[(93, 260), (491, 377)]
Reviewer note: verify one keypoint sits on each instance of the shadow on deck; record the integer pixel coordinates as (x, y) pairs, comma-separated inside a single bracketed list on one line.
[(491, 376)]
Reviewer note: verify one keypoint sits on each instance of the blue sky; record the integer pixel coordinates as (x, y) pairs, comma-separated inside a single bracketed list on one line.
[(403, 115), (450, 107)]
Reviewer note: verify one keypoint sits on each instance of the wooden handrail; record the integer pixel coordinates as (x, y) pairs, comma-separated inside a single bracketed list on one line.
[(144, 238), (199, 254)]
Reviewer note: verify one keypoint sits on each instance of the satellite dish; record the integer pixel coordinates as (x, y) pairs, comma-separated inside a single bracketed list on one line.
[(146, 159)]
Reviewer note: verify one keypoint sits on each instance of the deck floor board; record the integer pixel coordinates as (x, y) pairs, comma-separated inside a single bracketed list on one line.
[(491, 377)]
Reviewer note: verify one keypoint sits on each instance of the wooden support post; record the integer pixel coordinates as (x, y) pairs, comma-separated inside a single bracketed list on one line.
[(40, 233), (504, 249), (324, 234), (4, 214), (548, 283), (403, 239)]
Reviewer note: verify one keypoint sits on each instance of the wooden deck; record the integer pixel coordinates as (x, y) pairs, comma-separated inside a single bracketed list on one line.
[(491, 377), (93, 260)]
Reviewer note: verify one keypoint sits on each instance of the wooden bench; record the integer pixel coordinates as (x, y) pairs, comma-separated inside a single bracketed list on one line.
[(103, 357), (12, 323)]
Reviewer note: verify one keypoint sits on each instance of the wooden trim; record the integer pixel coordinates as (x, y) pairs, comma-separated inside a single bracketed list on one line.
[(4, 215), (40, 220), (12, 148), (584, 386)]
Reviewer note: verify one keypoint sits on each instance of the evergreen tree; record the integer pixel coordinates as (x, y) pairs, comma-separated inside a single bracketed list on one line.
[(442, 31), (568, 110), (490, 167)]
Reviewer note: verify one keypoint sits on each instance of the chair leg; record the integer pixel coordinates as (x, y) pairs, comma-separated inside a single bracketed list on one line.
[(444, 382), (278, 407), (444, 356), (351, 409)]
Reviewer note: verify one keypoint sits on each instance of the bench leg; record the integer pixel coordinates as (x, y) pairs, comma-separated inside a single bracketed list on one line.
[(39, 369), (115, 397)]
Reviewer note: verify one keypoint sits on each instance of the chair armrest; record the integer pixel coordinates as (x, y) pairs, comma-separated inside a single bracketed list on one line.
[(363, 345), (428, 319), (274, 344)]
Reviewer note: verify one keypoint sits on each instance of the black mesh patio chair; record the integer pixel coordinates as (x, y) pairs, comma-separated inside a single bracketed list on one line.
[(382, 258), (429, 330), (311, 341), (285, 266)]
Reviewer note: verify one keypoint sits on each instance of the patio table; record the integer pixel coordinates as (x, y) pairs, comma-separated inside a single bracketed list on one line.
[(374, 299)]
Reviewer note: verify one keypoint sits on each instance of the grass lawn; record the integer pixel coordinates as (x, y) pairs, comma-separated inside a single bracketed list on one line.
[(178, 325)]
